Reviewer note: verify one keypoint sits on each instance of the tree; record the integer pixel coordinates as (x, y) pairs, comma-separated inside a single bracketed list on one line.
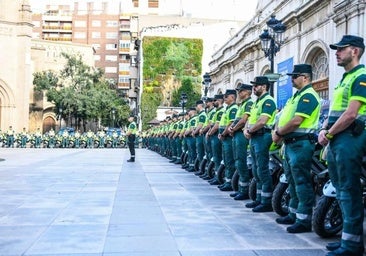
[(82, 93)]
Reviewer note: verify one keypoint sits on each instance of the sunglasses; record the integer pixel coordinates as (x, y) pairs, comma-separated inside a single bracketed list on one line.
[(295, 76)]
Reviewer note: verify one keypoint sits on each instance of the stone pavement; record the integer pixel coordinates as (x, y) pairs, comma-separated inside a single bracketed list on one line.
[(91, 202)]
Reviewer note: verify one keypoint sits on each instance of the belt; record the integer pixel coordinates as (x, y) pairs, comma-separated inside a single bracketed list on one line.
[(261, 131), (297, 138)]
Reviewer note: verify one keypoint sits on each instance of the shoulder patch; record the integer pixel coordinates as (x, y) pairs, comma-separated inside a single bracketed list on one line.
[(306, 100), (363, 83), (268, 104)]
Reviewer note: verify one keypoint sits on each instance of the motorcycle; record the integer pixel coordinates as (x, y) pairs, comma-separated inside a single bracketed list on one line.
[(275, 168), (327, 216), (319, 176)]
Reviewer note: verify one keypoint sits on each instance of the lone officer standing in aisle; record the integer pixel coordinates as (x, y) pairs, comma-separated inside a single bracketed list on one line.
[(258, 130), (240, 143), (226, 138), (345, 133), (296, 127), (216, 145), (131, 137)]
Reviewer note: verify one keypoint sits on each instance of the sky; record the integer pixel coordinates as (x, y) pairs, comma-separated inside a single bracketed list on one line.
[(240, 10)]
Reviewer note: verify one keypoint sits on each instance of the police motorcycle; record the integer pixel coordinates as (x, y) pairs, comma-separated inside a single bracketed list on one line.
[(319, 176), (275, 168), (235, 178), (327, 216), (207, 166), (83, 141), (122, 141), (2, 139)]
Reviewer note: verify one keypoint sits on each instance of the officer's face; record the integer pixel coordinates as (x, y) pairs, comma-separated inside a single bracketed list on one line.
[(258, 89), (345, 55)]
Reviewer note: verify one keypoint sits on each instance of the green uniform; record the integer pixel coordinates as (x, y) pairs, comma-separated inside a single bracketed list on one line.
[(240, 148), (227, 143), (216, 145), (260, 143), (200, 148), (299, 149), (345, 154), (132, 130)]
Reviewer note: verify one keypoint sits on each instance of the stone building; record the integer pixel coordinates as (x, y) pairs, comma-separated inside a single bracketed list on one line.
[(311, 25), (21, 56)]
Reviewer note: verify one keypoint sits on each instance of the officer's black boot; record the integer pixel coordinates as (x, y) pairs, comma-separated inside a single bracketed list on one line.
[(132, 159)]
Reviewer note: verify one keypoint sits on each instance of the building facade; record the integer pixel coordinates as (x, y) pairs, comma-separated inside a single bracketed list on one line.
[(311, 25)]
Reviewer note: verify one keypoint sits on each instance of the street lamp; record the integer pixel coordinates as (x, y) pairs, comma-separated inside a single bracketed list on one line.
[(183, 100), (60, 112), (113, 116), (271, 39), (206, 82)]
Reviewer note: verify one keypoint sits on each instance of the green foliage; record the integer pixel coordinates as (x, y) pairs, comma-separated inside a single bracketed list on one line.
[(81, 92), (190, 89), (149, 102), (177, 57)]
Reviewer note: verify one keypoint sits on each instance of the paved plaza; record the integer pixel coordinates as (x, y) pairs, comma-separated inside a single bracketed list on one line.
[(91, 202)]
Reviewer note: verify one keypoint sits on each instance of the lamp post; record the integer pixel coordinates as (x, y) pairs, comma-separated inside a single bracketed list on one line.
[(271, 40), (206, 82), (113, 116), (60, 112), (183, 100)]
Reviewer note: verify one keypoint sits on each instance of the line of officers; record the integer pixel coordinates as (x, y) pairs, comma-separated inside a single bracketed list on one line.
[(223, 129), (51, 139)]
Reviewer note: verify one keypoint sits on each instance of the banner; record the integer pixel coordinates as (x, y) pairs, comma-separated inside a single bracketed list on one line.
[(284, 84)]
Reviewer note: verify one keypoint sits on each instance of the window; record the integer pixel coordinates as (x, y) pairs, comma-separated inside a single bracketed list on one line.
[(111, 35), (124, 45), (110, 70), (96, 23), (111, 23), (111, 58), (123, 80), (111, 46), (80, 23), (80, 35), (96, 57), (95, 34)]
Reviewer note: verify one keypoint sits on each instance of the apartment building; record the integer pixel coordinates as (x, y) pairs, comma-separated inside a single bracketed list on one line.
[(108, 33)]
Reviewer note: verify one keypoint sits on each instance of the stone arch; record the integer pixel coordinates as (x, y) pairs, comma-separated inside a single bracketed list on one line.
[(317, 55), (7, 104), (237, 83), (49, 120)]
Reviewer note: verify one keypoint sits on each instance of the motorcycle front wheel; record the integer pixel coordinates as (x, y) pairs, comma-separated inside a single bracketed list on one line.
[(280, 199), (327, 217), (253, 189), (235, 181)]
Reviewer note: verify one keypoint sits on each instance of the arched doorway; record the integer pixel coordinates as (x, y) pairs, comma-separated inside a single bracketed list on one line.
[(48, 123), (317, 57)]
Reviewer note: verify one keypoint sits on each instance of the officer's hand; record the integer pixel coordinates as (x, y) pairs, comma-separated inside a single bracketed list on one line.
[(276, 139), (246, 134), (322, 139)]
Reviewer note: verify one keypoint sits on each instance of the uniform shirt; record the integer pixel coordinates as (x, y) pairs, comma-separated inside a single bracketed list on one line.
[(358, 91), (132, 128)]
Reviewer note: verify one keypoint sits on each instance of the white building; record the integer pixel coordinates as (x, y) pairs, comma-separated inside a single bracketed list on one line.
[(311, 26)]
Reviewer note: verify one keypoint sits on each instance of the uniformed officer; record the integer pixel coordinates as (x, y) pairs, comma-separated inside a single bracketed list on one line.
[(240, 143), (191, 140), (226, 138), (178, 138), (38, 138), (258, 130), (23, 138), (77, 136), (346, 136), (52, 137), (210, 109), (65, 138), (216, 145), (201, 120), (10, 134), (296, 127), (131, 136)]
